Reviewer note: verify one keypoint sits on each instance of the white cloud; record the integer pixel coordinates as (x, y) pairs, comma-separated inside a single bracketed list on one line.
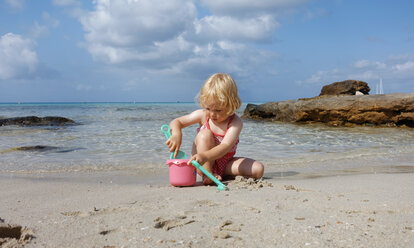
[(73, 6), (16, 5), (242, 20), (407, 66), (397, 71), (164, 33), (39, 30), (17, 56), (229, 28), (395, 67), (362, 63), (50, 20), (366, 63), (124, 31), (43, 30), (364, 75), (231, 46), (161, 38), (322, 76)]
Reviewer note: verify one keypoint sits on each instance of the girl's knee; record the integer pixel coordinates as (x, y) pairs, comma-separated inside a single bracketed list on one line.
[(257, 169), (205, 136)]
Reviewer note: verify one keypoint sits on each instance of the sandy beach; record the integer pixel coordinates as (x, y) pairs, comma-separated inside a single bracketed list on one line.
[(368, 210)]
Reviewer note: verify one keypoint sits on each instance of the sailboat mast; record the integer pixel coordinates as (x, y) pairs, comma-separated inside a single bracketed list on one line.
[(381, 90)]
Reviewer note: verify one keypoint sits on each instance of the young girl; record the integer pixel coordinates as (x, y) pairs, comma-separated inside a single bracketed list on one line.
[(218, 135)]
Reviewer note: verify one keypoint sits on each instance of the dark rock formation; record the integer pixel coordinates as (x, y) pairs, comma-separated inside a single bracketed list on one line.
[(34, 148), (347, 87), (379, 110), (37, 121)]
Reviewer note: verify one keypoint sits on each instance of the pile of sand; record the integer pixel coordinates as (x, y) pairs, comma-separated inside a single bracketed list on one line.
[(14, 235)]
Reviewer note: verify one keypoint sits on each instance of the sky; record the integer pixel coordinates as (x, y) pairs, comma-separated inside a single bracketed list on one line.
[(163, 51)]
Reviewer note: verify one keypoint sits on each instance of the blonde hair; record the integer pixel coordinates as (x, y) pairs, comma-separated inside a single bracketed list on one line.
[(221, 89)]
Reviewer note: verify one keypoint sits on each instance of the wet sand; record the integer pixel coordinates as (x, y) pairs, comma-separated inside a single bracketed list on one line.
[(359, 210)]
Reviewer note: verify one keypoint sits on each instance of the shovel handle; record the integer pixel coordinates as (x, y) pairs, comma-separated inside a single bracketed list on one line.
[(166, 130)]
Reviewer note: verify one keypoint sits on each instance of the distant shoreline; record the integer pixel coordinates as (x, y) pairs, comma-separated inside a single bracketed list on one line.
[(128, 102)]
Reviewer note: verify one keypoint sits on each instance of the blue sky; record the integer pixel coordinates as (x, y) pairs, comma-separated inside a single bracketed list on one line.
[(150, 50)]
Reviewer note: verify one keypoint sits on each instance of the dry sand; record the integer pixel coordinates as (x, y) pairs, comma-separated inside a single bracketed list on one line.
[(371, 210)]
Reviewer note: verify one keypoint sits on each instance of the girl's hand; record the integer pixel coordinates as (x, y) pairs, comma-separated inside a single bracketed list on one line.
[(174, 143), (199, 157)]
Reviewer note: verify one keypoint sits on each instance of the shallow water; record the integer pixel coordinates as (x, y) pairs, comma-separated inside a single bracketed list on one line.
[(127, 136)]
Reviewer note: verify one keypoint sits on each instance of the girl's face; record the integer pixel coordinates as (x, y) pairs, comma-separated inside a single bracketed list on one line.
[(216, 112)]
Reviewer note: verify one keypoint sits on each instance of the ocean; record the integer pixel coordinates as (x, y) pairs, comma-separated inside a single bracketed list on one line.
[(127, 137)]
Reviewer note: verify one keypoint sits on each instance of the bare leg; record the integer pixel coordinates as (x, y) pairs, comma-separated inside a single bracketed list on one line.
[(244, 167), (204, 141)]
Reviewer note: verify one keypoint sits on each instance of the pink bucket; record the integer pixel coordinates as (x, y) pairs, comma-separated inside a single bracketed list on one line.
[(181, 174)]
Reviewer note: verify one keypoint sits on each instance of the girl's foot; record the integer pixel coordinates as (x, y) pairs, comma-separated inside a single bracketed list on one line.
[(208, 181)]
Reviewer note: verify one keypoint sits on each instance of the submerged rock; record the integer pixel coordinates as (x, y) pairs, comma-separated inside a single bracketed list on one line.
[(40, 148), (34, 148), (37, 121), (379, 110)]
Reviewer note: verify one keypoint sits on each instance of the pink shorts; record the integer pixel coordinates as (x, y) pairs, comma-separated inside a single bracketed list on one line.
[(221, 163)]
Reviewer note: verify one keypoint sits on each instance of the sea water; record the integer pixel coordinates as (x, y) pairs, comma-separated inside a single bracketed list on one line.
[(127, 136)]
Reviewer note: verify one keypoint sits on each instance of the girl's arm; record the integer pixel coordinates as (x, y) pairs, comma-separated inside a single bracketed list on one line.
[(176, 125), (226, 145)]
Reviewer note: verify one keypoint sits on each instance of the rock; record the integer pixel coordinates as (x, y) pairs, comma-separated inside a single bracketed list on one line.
[(34, 148), (380, 110), (40, 148), (347, 87), (37, 121)]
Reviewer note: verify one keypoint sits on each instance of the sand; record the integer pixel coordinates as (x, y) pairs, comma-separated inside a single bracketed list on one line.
[(369, 210)]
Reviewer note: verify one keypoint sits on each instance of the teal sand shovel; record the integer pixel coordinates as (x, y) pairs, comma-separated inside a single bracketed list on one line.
[(220, 185), (166, 130)]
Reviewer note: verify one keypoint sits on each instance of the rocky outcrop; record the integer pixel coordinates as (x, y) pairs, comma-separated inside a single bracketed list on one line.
[(37, 121), (378, 110), (347, 87)]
